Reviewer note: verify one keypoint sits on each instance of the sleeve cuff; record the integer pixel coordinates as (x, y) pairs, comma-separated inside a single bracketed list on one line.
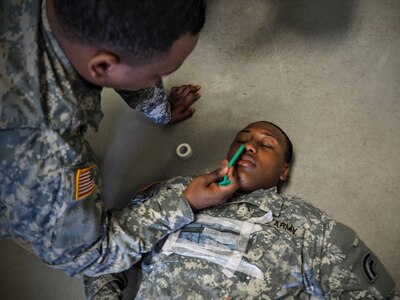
[(177, 208)]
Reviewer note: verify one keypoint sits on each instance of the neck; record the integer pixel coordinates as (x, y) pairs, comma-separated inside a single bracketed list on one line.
[(77, 54)]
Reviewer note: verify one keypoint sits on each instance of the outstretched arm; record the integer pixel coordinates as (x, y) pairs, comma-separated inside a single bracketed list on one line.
[(154, 103)]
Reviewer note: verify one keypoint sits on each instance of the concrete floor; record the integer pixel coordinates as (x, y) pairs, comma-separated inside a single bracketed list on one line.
[(327, 72)]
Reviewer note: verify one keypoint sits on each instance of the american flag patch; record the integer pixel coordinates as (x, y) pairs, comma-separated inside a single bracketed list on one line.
[(84, 182)]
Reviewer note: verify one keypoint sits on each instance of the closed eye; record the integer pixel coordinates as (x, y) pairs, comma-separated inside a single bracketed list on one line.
[(242, 141), (267, 143)]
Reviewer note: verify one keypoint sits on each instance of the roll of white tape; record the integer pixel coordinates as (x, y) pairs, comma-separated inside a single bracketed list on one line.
[(184, 151)]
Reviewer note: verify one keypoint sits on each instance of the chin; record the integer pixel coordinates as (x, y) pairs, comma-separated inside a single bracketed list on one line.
[(245, 181), (245, 187)]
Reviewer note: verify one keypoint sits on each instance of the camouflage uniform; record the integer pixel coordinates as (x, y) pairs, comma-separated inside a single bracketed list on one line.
[(261, 245), (50, 193)]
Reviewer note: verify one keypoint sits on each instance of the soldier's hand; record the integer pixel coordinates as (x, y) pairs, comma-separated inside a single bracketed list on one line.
[(181, 99), (204, 190)]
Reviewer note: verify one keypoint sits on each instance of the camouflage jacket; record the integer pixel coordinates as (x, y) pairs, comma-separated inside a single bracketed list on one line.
[(50, 193), (262, 245)]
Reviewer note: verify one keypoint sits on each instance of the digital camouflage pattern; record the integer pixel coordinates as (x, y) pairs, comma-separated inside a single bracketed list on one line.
[(293, 251), (45, 109), (105, 287)]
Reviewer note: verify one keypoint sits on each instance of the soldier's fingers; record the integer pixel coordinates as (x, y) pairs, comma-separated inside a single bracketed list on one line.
[(215, 175), (224, 163), (190, 99), (184, 115), (184, 105), (232, 173), (228, 190), (183, 90), (180, 89), (192, 88), (188, 90), (195, 87), (196, 95)]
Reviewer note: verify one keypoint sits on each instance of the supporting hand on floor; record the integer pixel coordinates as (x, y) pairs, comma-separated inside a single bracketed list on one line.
[(181, 100)]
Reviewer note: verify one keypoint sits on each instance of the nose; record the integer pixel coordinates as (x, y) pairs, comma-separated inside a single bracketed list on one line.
[(250, 148)]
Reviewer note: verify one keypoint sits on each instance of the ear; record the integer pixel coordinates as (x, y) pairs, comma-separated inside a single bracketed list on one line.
[(101, 65), (285, 172)]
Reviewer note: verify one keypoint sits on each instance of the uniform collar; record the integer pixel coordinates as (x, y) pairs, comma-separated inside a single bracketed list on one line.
[(77, 102), (49, 37), (265, 199)]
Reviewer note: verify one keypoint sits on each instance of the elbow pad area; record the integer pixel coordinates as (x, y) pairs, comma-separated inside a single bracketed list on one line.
[(364, 266)]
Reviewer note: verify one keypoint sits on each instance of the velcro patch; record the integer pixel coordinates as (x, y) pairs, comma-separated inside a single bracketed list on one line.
[(84, 182), (368, 267)]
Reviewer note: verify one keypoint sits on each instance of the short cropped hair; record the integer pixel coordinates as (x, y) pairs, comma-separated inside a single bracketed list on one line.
[(289, 145), (135, 29)]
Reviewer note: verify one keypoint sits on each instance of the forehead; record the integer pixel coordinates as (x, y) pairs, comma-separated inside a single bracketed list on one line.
[(264, 128)]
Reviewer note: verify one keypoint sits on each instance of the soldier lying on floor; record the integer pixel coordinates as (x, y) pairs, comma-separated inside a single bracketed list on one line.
[(258, 245)]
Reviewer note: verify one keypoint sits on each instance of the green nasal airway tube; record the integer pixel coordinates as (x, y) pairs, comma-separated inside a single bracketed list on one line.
[(226, 181)]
